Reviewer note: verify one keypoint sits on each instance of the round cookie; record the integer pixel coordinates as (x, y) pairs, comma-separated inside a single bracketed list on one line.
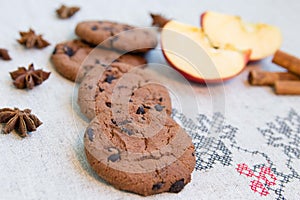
[(89, 89), (73, 59), (121, 83), (140, 161), (118, 36)]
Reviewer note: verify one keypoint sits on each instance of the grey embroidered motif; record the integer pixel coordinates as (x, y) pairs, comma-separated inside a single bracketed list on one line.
[(208, 137), (284, 133)]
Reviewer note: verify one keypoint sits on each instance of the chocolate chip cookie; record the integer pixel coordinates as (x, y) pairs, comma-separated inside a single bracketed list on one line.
[(73, 59), (137, 159), (132, 142), (118, 36), (122, 85)]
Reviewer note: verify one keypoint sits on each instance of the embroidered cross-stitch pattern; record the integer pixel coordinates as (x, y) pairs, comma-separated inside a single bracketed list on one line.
[(209, 149), (214, 142)]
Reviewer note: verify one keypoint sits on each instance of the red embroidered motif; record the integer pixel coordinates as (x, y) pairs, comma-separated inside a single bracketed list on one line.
[(244, 169), (267, 171), (258, 185)]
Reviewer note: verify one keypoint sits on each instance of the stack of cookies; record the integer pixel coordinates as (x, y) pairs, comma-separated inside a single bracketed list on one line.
[(131, 141), (115, 42)]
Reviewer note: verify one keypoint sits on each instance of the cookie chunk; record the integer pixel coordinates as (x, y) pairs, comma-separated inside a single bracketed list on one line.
[(73, 59), (141, 160), (121, 84), (118, 36)]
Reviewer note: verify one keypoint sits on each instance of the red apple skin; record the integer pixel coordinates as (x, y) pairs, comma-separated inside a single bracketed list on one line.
[(202, 18), (201, 80)]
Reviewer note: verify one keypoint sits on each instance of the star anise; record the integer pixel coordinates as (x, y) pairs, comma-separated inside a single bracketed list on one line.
[(158, 20), (20, 120), (30, 39), (66, 12), (4, 54), (28, 78)]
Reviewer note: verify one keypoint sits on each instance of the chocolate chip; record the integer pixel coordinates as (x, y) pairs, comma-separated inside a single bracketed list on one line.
[(69, 51), (101, 89), (177, 186), (126, 121), (158, 107), (157, 186), (193, 154), (106, 28), (125, 130), (90, 134), (108, 104), (122, 86), (160, 99), (114, 157), (97, 61), (109, 78), (140, 110), (147, 107), (130, 100), (113, 121), (94, 28)]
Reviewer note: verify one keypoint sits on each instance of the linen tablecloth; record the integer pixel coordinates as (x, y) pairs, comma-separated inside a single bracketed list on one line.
[(247, 139)]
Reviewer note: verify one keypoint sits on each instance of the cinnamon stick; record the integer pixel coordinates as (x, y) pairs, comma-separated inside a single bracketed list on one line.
[(290, 62), (257, 77), (287, 87)]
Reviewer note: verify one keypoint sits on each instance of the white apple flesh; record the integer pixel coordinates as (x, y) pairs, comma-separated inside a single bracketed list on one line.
[(188, 50), (222, 29)]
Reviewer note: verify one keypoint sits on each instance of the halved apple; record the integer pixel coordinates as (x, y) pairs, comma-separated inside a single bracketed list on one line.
[(188, 50), (222, 29)]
